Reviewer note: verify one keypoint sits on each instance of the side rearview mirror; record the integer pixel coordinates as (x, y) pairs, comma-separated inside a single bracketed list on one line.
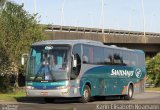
[(23, 57), (22, 60), (74, 61)]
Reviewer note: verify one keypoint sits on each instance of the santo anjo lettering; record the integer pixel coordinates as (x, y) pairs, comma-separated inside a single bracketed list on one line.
[(122, 73)]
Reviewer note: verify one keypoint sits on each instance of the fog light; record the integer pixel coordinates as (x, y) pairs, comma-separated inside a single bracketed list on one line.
[(64, 93), (29, 87)]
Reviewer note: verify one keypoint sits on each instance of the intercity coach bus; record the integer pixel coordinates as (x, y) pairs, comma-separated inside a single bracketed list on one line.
[(83, 69)]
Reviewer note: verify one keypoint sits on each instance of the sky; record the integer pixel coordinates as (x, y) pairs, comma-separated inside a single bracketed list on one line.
[(118, 14)]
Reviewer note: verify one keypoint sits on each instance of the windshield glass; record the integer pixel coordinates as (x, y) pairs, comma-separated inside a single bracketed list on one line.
[(48, 63)]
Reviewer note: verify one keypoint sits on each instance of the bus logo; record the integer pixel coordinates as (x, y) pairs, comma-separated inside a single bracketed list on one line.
[(127, 73), (44, 87), (138, 73)]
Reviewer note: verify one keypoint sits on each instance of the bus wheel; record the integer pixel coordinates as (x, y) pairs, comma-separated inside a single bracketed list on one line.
[(86, 94), (48, 100), (129, 95)]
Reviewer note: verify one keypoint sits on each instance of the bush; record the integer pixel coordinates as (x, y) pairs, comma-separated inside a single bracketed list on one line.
[(153, 70), (7, 82)]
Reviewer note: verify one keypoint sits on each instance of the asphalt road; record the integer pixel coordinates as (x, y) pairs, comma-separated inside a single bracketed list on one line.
[(72, 104)]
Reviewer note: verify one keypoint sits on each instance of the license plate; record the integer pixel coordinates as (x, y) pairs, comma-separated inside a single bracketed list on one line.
[(44, 93)]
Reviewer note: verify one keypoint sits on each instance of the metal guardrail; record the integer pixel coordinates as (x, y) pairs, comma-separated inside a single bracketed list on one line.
[(98, 31), (147, 85)]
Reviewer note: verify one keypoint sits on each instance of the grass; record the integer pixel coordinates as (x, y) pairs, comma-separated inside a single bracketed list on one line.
[(12, 96), (153, 89)]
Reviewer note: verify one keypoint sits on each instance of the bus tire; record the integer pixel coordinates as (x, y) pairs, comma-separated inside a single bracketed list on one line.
[(86, 94), (129, 95), (48, 100)]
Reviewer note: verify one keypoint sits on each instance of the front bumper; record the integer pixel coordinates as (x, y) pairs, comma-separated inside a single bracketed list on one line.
[(52, 93), (48, 93)]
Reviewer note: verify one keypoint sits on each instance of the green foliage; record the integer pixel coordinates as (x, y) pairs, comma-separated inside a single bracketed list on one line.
[(18, 30), (7, 83), (153, 70), (2, 2)]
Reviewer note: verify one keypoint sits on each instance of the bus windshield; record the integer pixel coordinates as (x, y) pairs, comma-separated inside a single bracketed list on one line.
[(48, 63)]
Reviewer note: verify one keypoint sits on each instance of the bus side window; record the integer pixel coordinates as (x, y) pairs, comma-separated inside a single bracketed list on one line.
[(140, 60), (77, 55), (98, 55), (126, 57), (133, 59), (117, 56), (85, 59), (108, 59)]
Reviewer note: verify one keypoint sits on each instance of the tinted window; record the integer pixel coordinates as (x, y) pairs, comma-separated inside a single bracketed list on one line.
[(98, 55), (93, 54), (77, 50), (126, 58), (77, 55), (130, 58), (117, 57), (108, 56), (87, 54), (141, 60), (133, 59)]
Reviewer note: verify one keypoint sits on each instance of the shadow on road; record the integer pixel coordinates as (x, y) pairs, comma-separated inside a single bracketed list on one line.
[(40, 100), (107, 98), (30, 100)]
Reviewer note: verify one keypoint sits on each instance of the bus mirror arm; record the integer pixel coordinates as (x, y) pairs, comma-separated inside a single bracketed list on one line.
[(74, 61), (22, 58)]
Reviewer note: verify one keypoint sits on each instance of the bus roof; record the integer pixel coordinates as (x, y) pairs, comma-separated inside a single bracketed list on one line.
[(71, 42), (83, 41)]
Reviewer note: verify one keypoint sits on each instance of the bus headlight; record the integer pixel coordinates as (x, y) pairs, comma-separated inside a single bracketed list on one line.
[(29, 87)]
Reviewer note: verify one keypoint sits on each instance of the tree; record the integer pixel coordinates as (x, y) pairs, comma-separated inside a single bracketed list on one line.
[(18, 30), (153, 70), (2, 3)]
